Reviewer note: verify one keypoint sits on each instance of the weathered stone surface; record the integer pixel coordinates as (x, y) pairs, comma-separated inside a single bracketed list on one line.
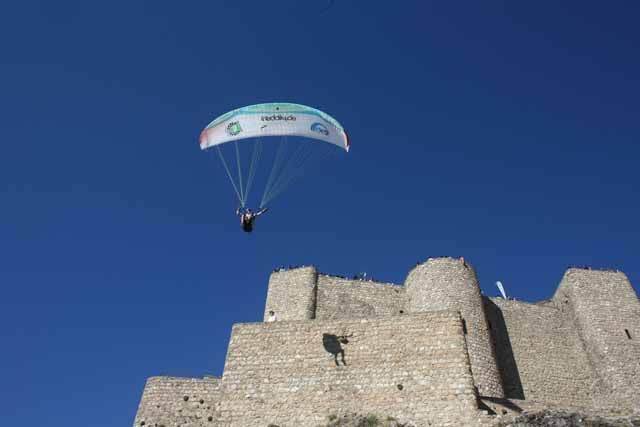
[(452, 283), (539, 351), (433, 352), (171, 401), (340, 298), (292, 375), (292, 294), (606, 314)]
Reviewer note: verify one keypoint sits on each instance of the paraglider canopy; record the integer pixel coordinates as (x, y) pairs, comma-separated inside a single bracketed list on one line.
[(274, 119), (291, 135)]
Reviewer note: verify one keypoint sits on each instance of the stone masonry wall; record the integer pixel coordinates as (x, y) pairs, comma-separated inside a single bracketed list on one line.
[(448, 283), (411, 367), (292, 294), (340, 298), (171, 401), (607, 315), (414, 352), (540, 354)]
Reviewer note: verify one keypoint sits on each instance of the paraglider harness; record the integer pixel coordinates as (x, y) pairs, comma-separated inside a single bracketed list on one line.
[(247, 217)]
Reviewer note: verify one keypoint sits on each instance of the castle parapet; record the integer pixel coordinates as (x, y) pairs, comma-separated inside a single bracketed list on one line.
[(343, 298)]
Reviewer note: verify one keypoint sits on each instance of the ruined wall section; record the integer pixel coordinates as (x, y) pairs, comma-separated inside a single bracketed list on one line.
[(412, 367), (340, 298), (292, 294), (448, 283), (171, 401), (607, 313), (539, 352)]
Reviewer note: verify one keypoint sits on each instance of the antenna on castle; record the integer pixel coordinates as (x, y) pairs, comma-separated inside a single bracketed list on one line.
[(501, 289)]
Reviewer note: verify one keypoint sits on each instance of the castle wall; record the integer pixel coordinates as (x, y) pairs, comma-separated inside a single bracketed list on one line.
[(410, 367), (607, 315), (292, 294), (448, 283), (539, 352), (582, 348), (170, 401), (340, 298)]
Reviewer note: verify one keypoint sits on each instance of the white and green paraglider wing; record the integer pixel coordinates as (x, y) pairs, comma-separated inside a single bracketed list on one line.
[(274, 119)]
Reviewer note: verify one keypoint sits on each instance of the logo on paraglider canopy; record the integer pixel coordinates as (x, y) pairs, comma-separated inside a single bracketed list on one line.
[(234, 128), (275, 117), (320, 128)]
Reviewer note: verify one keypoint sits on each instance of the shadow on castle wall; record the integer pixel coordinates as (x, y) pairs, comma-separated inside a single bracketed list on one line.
[(504, 352), (333, 344)]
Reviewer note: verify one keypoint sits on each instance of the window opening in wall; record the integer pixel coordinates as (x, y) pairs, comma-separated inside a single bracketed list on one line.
[(626, 331), (464, 326), (490, 327), (401, 311)]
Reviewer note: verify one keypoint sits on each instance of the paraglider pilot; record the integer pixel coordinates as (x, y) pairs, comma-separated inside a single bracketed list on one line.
[(247, 218)]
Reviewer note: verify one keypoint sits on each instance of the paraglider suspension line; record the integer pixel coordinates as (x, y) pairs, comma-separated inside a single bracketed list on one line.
[(292, 169), (255, 158), (298, 162), (274, 171), (242, 198), (226, 167)]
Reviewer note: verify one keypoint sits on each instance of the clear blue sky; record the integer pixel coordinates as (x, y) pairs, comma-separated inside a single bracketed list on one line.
[(502, 131)]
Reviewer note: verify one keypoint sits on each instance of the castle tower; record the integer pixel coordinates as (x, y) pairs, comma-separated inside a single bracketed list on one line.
[(448, 283), (607, 313), (292, 294)]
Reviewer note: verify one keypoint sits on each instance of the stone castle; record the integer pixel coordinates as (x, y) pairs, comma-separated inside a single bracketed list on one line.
[(433, 352)]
